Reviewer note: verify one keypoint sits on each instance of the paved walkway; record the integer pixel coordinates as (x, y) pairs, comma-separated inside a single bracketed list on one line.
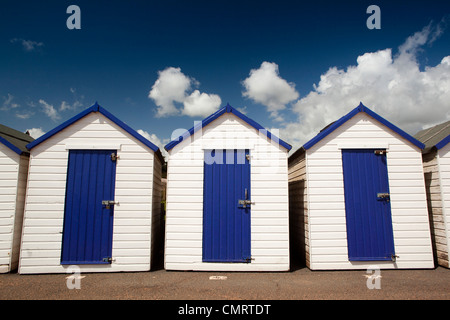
[(169, 285)]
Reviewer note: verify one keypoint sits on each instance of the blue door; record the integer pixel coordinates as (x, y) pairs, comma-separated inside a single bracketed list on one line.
[(226, 206), (367, 205), (88, 224)]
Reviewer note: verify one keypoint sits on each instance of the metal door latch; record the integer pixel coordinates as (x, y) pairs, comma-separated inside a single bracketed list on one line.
[(383, 196), (244, 203), (108, 259), (109, 203)]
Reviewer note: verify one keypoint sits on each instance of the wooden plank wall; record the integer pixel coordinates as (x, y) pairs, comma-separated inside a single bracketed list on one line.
[(298, 211), (44, 206)]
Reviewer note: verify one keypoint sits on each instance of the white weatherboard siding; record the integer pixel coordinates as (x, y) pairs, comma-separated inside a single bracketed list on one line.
[(269, 190), (326, 203), (44, 207), (13, 171), (444, 174)]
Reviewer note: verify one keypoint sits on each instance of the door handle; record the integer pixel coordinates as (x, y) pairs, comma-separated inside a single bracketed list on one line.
[(244, 203), (383, 196), (109, 203)]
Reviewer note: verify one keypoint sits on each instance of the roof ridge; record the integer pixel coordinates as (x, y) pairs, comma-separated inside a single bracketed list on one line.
[(361, 108), (226, 109)]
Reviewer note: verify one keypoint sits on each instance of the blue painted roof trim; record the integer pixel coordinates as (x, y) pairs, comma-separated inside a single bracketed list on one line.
[(351, 114), (443, 142), (95, 108), (11, 146), (217, 114)]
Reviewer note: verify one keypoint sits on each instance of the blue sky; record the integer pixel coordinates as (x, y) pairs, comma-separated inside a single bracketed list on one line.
[(312, 62)]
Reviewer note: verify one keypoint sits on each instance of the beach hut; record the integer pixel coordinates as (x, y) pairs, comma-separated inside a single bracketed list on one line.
[(93, 198), (13, 179), (227, 197), (357, 197), (436, 164)]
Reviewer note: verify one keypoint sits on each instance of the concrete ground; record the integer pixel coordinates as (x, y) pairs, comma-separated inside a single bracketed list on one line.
[(298, 284)]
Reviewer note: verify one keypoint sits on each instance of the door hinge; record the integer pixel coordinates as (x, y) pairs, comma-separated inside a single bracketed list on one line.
[(380, 152), (394, 257), (108, 259), (114, 156), (248, 260)]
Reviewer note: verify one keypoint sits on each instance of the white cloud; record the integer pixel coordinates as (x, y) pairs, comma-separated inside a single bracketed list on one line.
[(35, 132), (427, 35), (201, 104), (24, 115), (153, 138), (49, 110), (170, 87), (8, 103), (66, 106), (28, 45), (77, 101), (173, 86), (265, 86), (392, 86)]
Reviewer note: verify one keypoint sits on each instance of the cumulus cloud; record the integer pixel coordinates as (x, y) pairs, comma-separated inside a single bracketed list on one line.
[(153, 138), (173, 86), (393, 86), (170, 87), (49, 110), (28, 45), (35, 132), (265, 86), (201, 104)]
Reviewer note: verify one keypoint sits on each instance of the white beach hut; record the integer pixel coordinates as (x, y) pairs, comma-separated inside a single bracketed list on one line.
[(436, 164), (13, 179), (93, 197), (227, 197), (357, 197)]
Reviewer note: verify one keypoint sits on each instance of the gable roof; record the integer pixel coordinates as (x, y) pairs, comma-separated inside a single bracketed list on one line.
[(96, 108), (217, 114), (351, 114), (361, 108), (437, 136), (14, 140)]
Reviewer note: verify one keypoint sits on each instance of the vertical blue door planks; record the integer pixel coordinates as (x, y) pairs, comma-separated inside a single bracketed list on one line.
[(88, 225), (226, 224), (367, 206)]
